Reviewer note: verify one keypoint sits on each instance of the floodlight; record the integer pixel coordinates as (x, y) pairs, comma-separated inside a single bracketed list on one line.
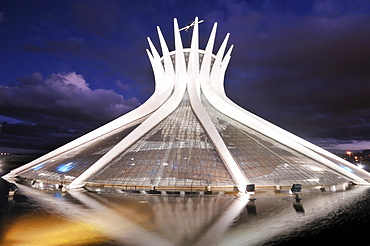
[(296, 188), (251, 188)]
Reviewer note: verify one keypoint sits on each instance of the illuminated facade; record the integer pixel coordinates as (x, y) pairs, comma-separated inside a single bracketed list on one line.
[(189, 135)]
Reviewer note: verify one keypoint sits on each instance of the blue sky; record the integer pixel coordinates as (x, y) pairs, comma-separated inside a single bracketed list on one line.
[(68, 67)]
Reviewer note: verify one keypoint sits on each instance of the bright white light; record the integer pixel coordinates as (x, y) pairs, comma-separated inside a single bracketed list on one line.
[(346, 168), (37, 167), (313, 180), (360, 166), (65, 167), (314, 168)]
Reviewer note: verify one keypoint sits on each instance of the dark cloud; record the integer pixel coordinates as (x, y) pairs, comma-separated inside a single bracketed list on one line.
[(35, 136), (70, 45), (58, 108), (2, 18), (105, 14), (308, 73), (99, 47)]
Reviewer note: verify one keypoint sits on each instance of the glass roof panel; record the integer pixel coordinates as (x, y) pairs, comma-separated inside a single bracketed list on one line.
[(266, 161), (70, 164), (176, 152)]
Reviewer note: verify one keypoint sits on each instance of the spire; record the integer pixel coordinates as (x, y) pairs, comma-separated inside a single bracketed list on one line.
[(168, 66), (215, 73), (180, 66), (193, 66), (206, 64), (158, 69)]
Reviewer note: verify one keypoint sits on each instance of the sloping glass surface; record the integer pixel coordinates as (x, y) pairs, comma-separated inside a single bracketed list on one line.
[(70, 164), (266, 161), (176, 152)]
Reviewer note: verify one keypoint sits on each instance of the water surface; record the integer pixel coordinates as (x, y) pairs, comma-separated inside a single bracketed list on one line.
[(35, 217)]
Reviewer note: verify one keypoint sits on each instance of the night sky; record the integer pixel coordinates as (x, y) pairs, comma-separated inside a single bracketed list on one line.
[(68, 67)]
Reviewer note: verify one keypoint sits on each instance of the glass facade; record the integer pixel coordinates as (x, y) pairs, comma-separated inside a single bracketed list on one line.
[(266, 161), (72, 163), (177, 153)]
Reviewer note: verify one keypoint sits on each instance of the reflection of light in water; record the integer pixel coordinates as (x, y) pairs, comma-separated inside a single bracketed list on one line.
[(119, 227), (221, 225), (283, 219), (99, 216), (166, 220), (194, 214), (46, 230)]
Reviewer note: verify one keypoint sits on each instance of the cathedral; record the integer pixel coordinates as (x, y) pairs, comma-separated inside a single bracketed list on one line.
[(188, 136)]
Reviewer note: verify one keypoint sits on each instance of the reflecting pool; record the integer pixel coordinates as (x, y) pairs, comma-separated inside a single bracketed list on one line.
[(36, 217)]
